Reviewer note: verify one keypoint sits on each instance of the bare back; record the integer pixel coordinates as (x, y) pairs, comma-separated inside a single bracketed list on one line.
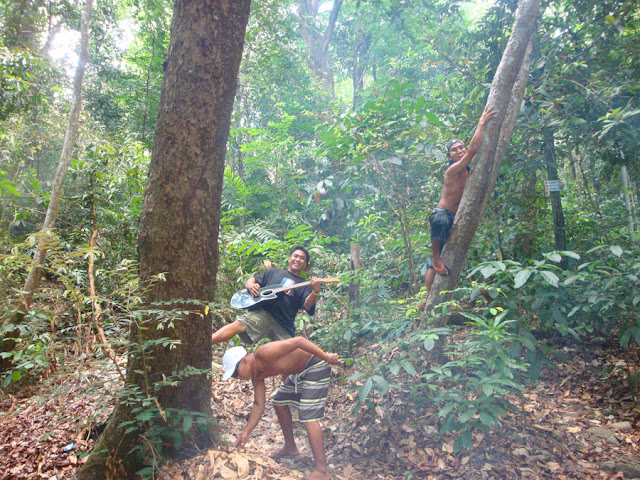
[(287, 364)]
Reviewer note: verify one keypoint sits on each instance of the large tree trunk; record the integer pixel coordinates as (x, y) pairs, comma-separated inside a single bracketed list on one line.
[(317, 42), (507, 91), (179, 227)]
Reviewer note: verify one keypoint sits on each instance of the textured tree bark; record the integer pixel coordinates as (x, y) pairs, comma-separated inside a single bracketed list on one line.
[(179, 225), (505, 95)]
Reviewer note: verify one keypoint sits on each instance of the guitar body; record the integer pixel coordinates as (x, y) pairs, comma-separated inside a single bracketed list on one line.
[(243, 298)]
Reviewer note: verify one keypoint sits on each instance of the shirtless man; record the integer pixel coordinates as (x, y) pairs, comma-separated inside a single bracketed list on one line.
[(305, 388), (455, 178)]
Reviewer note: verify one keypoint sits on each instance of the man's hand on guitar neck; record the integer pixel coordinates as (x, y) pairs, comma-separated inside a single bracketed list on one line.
[(316, 284), (312, 298)]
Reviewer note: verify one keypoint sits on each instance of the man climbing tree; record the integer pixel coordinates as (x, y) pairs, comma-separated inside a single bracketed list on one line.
[(505, 96), (455, 178), (178, 245)]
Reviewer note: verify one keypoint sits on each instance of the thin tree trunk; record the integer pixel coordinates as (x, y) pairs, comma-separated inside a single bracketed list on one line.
[(559, 231), (33, 278), (525, 239), (628, 198), (586, 186), (179, 239), (96, 313), (147, 87), (507, 91), (354, 285)]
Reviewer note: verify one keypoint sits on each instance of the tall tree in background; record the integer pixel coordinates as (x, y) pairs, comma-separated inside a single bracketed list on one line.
[(317, 41), (179, 225), (507, 90), (65, 159)]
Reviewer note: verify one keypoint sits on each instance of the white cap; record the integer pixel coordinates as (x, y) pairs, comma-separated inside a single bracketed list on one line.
[(231, 359)]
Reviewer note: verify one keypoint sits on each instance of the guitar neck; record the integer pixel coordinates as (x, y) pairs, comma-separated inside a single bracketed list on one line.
[(303, 284)]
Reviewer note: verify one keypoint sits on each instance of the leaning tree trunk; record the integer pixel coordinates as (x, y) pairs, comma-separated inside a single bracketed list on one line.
[(179, 231), (507, 91), (44, 236)]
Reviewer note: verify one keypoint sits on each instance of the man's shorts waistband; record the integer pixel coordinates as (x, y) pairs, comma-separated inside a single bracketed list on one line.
[(442, 209)]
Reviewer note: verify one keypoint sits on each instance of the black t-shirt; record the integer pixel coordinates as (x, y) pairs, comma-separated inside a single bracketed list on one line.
[(286, 305)]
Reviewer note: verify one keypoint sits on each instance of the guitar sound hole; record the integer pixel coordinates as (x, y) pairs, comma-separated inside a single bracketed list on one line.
[(266, 293)]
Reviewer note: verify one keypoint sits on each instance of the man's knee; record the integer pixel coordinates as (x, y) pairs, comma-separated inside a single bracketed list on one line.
[(228, 332)]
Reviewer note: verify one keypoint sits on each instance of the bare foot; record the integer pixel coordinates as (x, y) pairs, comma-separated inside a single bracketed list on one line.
[(285, 452), (317, 475)]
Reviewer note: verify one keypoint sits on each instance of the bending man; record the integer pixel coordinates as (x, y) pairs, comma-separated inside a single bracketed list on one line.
[(305, 388), (455, 179)]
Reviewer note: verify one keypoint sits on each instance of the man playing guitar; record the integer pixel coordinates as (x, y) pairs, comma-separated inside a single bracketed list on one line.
[(275, 319)]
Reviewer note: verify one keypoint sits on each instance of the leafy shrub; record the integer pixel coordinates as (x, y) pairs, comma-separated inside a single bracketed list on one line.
[(473, 388), (600, 295)]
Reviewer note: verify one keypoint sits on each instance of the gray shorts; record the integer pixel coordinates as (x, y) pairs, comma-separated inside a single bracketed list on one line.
[(441, 221), (259, 324), (307, 391)]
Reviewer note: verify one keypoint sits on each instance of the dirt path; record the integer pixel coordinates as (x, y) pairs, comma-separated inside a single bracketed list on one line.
[(579, 423)]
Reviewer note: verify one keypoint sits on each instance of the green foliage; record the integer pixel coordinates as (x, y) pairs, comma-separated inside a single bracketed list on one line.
[(606, 292), (33, 351), (474, 388), (599, 295), (18, 89)]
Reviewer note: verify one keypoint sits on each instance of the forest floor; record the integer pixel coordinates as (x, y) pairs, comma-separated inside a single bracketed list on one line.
[(580, 420)]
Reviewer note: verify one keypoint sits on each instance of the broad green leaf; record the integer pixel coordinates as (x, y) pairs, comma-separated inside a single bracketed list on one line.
[(433, 119), (366, 389), (187, 423), (488, 270), (429, 343), (446, 409), (521, 278), (408, 367), (551, 278), (554, 257), (10, 188), (486, 418), (381, 384), (616, 250), (468, 414)]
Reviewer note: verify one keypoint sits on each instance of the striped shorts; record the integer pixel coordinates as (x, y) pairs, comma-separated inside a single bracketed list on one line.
[(307, 391)]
